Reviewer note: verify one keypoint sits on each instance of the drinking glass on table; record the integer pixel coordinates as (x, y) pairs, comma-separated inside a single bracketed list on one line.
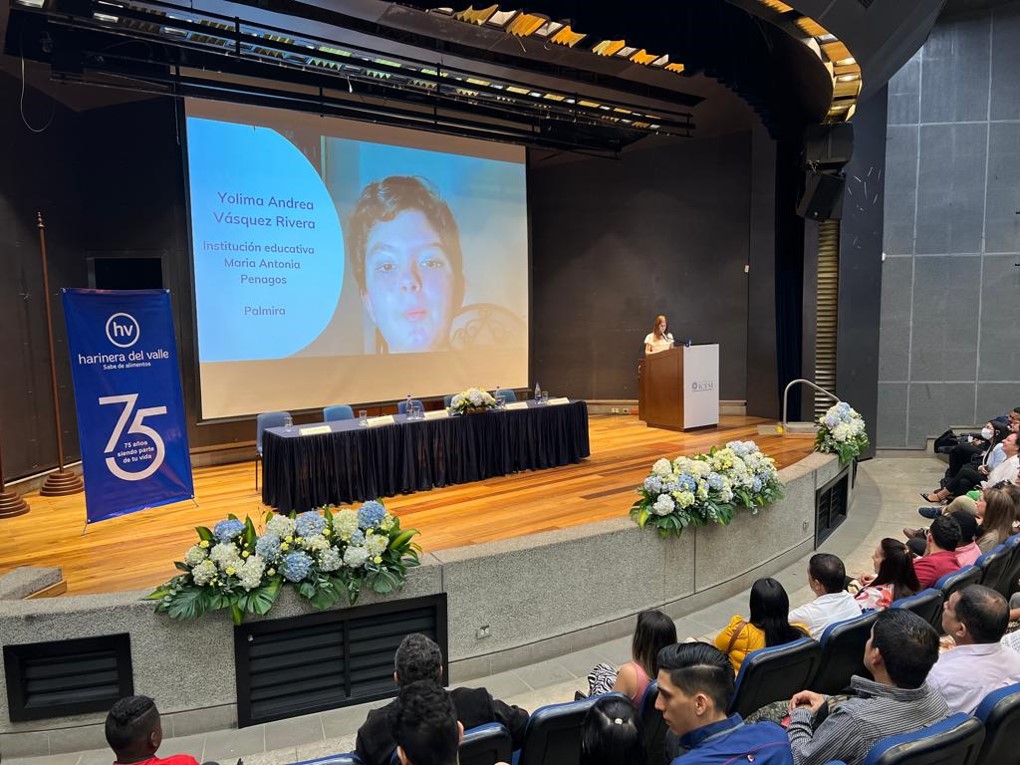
[(288, 423), (545, 397), (363, 418)]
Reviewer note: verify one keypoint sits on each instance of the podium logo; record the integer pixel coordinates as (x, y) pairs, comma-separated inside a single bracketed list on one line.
[(122, 330), (698, 387)]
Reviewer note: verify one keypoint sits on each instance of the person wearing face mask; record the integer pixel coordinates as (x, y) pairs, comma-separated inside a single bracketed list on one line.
[(1004, 469)]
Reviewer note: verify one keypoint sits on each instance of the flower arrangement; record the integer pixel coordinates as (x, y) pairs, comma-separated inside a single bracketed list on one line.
[(472, 400), (326, 557), (706, 488), (841, 431)]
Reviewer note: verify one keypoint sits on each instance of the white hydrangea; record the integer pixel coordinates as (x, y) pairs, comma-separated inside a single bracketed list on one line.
[(280, 526), (662, 468), (355, 556), (475, 397), (250, 572), (225, 556), (345, 523), (195, 555), (316, 543), (330, 560), (664, 505), (841, 432), (204, 573), (684, 499), (376, 544)]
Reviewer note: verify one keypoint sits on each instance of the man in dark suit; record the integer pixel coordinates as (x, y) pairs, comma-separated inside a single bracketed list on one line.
[(419, 658)]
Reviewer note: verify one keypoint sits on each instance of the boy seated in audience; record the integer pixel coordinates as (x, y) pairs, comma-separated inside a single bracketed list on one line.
[(975, 618), (134, 733), (696, 686), (940, 551), (425, 725), (827, 580), (419, 658), (901, 651)]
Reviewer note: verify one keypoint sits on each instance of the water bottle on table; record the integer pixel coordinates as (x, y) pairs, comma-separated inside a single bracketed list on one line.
[(538, 393)]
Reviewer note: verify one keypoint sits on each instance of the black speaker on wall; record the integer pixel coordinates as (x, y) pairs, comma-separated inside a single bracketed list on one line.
[(823, 196)]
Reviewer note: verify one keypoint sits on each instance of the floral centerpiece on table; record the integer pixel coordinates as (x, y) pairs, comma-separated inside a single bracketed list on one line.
[(472, 400), (326, 557), (707, 488), (841, 431)]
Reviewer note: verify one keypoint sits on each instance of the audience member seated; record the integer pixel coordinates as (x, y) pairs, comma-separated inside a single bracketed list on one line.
[(996, 512), (827, 580), (419, 658), (134, 733), (975, 618), (902, 649), (968, 477), (654, 631), (769, 624), (425, 725), (611, 734), (967, 549), (979, 448), (939, 553), (894, 576), (696, 686)]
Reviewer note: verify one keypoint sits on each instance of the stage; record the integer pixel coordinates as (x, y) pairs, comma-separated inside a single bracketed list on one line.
[(137, 551)]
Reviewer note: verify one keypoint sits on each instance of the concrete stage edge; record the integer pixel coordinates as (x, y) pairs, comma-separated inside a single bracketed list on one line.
[(542, 596)]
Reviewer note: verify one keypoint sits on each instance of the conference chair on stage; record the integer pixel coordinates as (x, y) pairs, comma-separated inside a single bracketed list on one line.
[(506, 394), (263, 421), (337, 412), (402, 405), (448, 399)]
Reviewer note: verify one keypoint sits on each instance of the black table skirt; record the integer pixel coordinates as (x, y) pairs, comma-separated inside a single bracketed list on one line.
[(357, 464)]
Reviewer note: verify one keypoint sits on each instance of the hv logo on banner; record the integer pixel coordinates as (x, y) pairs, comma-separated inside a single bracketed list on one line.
[(127, 391)]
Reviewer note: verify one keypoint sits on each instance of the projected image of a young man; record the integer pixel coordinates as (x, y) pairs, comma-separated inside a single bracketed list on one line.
[(404, 246)]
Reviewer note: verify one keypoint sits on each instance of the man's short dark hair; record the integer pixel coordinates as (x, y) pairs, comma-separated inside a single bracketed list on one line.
[(129, 723), (425, 724), (945, 532), (829, 571), (984, 612), (699, 668), (417, 658), (908, 644)]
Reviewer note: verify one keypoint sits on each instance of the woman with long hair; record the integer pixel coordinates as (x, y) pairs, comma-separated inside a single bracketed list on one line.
[(611, 734), (660, 338), (895, 577), (654, 630), (996, 512), (768, 625)]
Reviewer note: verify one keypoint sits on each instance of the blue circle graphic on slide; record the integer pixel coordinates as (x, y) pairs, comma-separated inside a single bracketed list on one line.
[(268, 247)]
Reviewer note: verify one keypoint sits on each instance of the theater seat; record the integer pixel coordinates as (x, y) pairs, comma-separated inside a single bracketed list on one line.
[(775, 673), (954, 741), (950, 583), (553, 736), (1012, 572), (1000, 712), (402, 405), (448, 399), (337, 412), (927, 604), (843, 654), (653, 724), (263, 421), (486, 745), (346, 758), (993, 565)]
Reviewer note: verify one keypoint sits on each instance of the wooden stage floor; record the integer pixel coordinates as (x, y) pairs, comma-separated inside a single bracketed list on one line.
[(138, 550)]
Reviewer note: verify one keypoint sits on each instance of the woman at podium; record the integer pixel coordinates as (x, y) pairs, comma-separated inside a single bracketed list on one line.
[(659, 339)]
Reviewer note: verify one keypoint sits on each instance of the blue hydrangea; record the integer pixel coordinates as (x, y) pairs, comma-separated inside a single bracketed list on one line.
[(715, 481), (687, 483), (295, 566), (371, 514), (268, 547), (358, 537), (224, 531), (309, 524), (653, 484), (756, 484)]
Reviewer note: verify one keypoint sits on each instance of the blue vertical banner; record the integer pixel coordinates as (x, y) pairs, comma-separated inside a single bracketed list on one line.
[(127, 392)]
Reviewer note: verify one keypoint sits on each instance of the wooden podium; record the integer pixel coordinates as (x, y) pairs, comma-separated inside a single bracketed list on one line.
[(678, 389)]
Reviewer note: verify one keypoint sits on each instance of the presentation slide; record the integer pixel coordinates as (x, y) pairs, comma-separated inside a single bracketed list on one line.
[(340, 262)]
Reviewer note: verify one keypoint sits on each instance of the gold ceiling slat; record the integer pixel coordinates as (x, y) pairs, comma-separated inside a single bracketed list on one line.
[(811, 27), (851, 88), (836, 51), (608, 47), (675, 67), (776, 5), (643, 57), (478, 17), (847, 69), (525, 24), (567, 36)]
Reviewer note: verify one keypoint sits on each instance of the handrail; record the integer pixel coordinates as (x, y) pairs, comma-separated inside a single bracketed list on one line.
[(820, 389)]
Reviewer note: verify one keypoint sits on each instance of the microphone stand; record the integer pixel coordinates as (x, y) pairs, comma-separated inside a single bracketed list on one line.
[(11, 503)]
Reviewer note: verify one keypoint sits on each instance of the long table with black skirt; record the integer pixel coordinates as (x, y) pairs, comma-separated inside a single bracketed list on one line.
[(352, 463)]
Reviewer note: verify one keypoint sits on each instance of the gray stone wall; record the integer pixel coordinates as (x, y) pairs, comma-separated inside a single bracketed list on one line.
[(949, 351)]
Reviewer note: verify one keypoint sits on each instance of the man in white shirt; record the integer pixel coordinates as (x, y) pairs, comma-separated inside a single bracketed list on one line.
[(827, 580), (976, 618)]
